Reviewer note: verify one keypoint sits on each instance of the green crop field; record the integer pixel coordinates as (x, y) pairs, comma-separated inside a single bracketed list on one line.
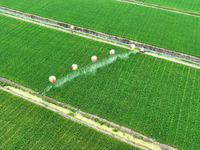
[(188, 5), (24, 125), (158, 27), (156, 97)]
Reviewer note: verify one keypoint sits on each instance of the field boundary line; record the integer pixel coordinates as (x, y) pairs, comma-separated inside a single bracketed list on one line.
[(72, 118), (173, 60), (124, 134), (95, 35), (151, 53), (176, 10)]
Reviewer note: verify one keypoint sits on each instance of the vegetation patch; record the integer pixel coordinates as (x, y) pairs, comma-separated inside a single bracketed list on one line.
[(177, 32), (153, 96), (114, 130), (29, 126), (191, 6)]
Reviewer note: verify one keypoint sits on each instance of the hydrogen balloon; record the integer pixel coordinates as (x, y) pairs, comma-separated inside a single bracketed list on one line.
[(52, 79), (74, 66), (72, 28), (112, 52), (94, 58), (132, 46)]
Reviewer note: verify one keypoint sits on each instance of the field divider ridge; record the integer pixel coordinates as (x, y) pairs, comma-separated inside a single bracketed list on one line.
[(7, 89), (161, 7), (95, 35), (96, 38), (102, 125)]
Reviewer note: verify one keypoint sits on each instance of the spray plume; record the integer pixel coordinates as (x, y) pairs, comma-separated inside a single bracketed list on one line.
[(92, 68)]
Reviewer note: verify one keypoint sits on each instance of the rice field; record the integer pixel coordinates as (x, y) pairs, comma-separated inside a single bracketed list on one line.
[(24, 125), (153, 96), (191, 5), (157, 27)]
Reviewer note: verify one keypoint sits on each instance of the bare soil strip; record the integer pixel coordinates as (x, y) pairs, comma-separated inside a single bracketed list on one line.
[(167, 57), (63, 30), (124, 134), (174, 60), (95, 34), (72, 118), (161, 7)]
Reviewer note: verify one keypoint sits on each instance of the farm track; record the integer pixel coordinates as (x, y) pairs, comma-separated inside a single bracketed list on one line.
[(126, 130), (163, 56), (161, 7), (173, 59), (97, 34), (74, 119)]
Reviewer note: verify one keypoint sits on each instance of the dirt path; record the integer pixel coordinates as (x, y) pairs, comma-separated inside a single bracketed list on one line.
[(85, 36), (161, 7), (124, 134), (74, 119), (104, 41), (173, 59)]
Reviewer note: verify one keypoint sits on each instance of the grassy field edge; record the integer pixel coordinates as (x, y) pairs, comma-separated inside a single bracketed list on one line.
[(110, 128)]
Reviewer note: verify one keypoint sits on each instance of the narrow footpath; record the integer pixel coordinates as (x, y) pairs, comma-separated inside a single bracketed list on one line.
[(161, 7), (124, 134), (154, 54)]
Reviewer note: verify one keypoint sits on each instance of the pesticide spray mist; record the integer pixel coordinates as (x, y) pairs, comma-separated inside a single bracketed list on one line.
[(92, 68)]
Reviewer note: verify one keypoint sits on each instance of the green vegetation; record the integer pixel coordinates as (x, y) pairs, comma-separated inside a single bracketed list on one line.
[(115, 130), (25, 125), (87, 116), (3, 83), (188, 5), (72, 109), (162, 28), (153, 96)]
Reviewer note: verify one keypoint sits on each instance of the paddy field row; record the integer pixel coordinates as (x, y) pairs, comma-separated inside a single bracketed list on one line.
[(25, 125), (191, 5), (153, 96), (157, 27)]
